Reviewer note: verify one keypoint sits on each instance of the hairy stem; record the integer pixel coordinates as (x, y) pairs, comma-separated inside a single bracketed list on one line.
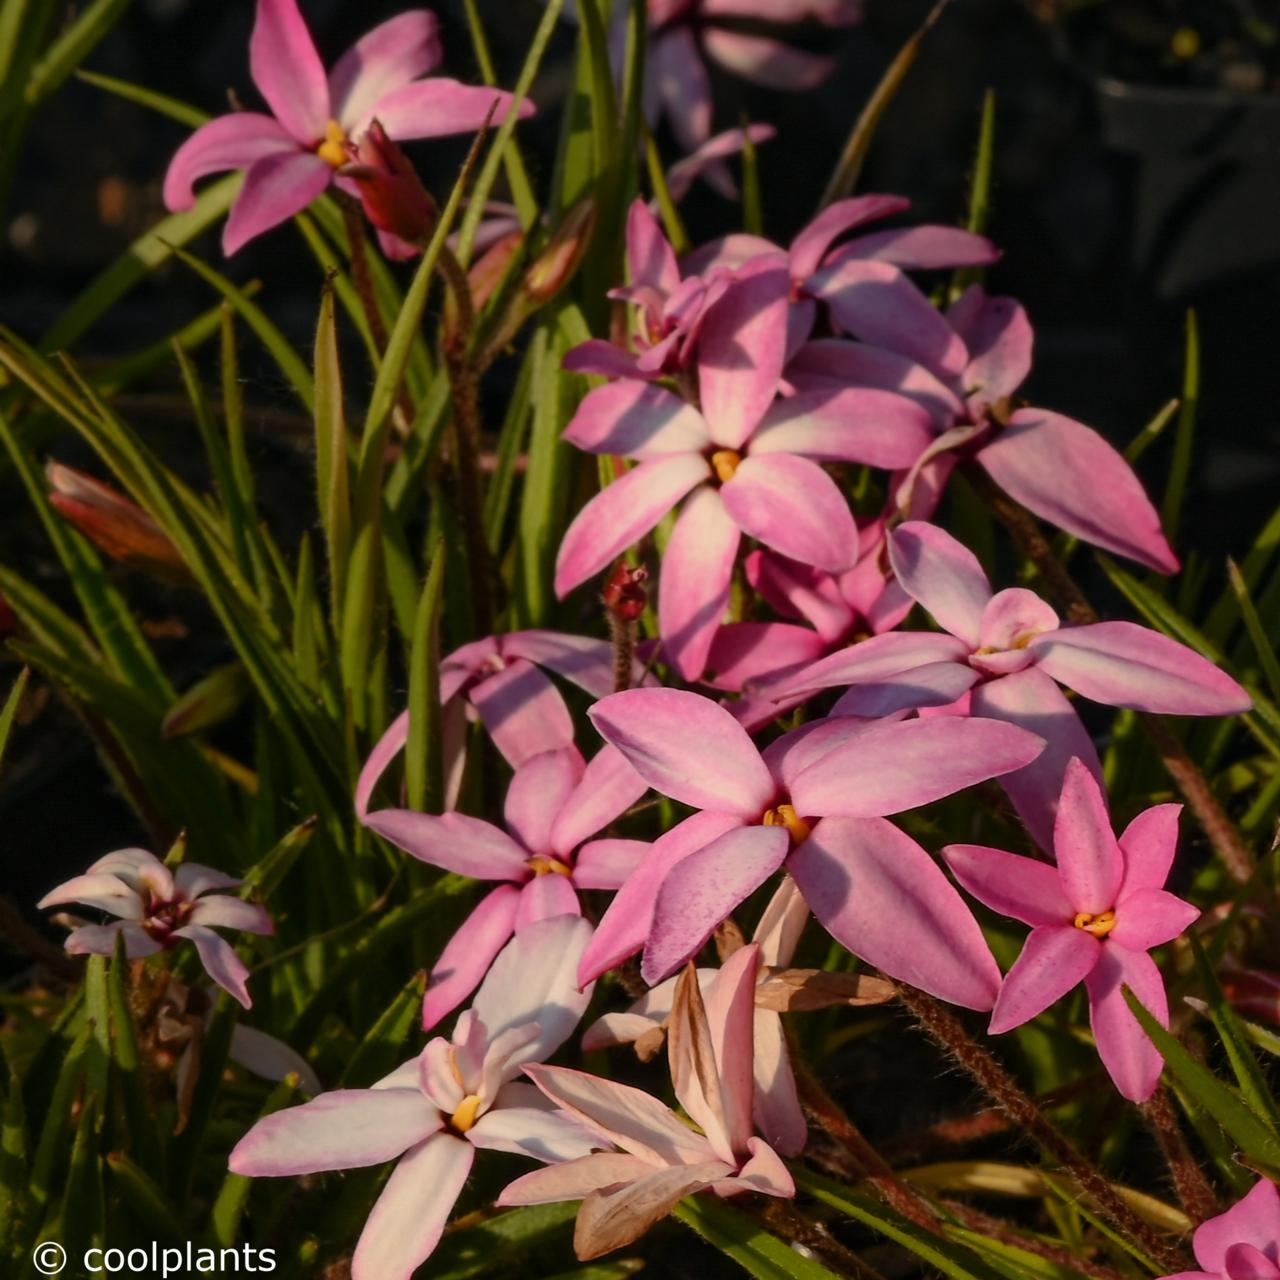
[(949, 1033), (1194, 1192)]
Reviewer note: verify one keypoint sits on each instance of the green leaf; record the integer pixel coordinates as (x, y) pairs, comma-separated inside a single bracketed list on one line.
[(951, 1259), (72, 46), (383, 1048), (1262, 645), (266, 875), (174, 108), (1180, 468), (51, 1148), (1151, 432), (747, 1243), (13, 1162), (331, 454), (483, 1250), (146, 1198), (10, 709), (1249, 1131), (979, 190), (209, 702), (423, 761)]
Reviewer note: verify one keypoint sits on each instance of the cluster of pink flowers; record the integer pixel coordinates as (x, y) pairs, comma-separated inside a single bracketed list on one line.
[(748, 370)]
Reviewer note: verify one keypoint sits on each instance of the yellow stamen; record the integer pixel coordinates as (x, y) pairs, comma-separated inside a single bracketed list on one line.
[(1099, 925), (541, 866), (333, 150), (786, 816), (466, 1114), (724, 462)]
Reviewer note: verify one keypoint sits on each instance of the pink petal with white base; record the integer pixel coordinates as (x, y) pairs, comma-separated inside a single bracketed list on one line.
[(943, 576), (469, 953), (101, 891), (275, 188), (688, 748), (879, 894), (223, 912), (1068, 474), (575, 1179), (793, 506), (409, 1216), (764, 1172), (637, 421), (729, 1003), (1053, 960), (1130, 1058), (622, 514), (439, 107), (1089, 859), (287, 70), (343, 1129), (191, 879), (701, 891), (853, 424), (1023, 888), (536, 1133), (1125, 665), (384, 58), (776, 1105), (232, 141), (545, 897)]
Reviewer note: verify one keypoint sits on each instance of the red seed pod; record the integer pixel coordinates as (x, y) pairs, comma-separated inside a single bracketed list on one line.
[(624, 593)]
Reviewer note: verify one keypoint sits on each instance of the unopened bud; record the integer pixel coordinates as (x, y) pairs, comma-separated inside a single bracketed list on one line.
[(114, 524), (391, 192), (624, 593), (555, 265)]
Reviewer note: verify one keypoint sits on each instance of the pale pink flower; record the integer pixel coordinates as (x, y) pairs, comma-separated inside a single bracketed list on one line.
[(1012, 651), (554, 804), (815, 802), (157, 909), (708, 163), (1093, 918), (1241, 1244), (293, 154), (433, 1112), (662, 1159)]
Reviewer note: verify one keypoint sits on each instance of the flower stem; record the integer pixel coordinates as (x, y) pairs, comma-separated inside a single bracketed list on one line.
[(949, 1033), (1226, 839), (1194, 1192)]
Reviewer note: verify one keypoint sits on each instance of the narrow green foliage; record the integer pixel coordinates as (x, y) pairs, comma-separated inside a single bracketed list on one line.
[(1151, 432), (1262, 644), (384, 1047), (1184, 440), (424, 764), (980, 181), (332, 481), (9, 712), (756, 1251), (160, 103)]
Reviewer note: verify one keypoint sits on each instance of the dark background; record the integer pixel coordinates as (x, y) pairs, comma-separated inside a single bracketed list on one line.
[(1131, 183)]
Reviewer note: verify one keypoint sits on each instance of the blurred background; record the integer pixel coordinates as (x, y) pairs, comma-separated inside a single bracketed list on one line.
[(1137, 174)]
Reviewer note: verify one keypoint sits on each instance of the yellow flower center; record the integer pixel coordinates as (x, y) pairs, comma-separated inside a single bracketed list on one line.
[(541, 866), (724, 462), (1099, 925), (466, 1114), (333, 150), (786, 816)]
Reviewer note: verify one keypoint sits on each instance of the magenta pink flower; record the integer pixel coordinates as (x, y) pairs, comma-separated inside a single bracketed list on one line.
[(293, 154), (1093, 918), (662, 1159), (555, 802), (964, 368), (1241, 1244), (157, 908), (775, 1103), (707, 162), (815, 802), (433, 1112), (502, 680), (1011, 648)]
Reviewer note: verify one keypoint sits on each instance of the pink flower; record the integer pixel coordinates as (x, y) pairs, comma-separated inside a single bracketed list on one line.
[(1093, 918), (503, 680), (1011, 648), (815, 802), (156, 907), (434, 1111), (964, 368), (391, 192), (708, 162), (1241, 1244), (293, 154), (662, 1159), (775, 1104), (554, 803)]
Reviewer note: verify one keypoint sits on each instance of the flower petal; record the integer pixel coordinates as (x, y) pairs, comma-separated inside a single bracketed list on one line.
[(469, 953), (811, 245), (1054, 959), (409, 1216), (581, 660), (776, 1106), (232, 141), (1130, 1058), (942, 575), (879, 894), (99, 890), (545, 897), (893, 767), (389, 55), (745, 653), (467, 846), (682, 85), (875, 661), (438, 107), (729, 1005), (650, 257), (1149, 843), (523, 712), (701, 890), (622, 513), (191, 879), (695, 1073), (921, 248), (766, 62), (1125, 665), (220, 961), (1151, 917), (1254, 1220), (276, 187), (540, 788), (575, 1179), (998, 335), (764, 1172), (1089, 859), (793, 506), (637, 420), (526, 1131), (1068, 474), (607, 789), (1023, 888), (223, 912), (688, 748), (343, 1129), (693, 587), (287, 70), (607, 864), (596, 356)]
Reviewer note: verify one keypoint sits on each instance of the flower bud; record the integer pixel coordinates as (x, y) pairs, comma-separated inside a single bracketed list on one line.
[(115, 525), (624, 593), (391, 192), (554, 266)]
